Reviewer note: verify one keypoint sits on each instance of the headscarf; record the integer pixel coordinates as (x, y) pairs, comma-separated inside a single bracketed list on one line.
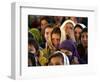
[(66, 60), (63, 34), (69, 45)]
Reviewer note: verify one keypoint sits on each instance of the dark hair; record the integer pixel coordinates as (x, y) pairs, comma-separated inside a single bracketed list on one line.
[(44, 18), (78, 26), (32, 59), (58, 54), (48, 26), (33, 21), (56, 30), (33, 42), (30, 35), (84, 30)]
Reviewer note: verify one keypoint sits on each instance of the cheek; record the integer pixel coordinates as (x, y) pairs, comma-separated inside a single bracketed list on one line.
[(77, 35), (56, 61), (43, 26), (53, 61), (45, 36), (84, 42), (66, 29), (33, 50), (56, 42)]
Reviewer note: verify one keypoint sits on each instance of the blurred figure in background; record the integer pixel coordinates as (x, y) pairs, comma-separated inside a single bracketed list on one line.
[(58, 20), (77, 32), (33, 53), (43, 23), (83, 46), (74, 19)]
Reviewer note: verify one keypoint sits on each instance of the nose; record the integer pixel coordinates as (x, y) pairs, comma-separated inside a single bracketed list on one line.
[(56, 42), (85, 39)]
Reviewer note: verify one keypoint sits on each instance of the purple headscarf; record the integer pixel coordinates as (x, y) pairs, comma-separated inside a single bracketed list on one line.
[(69, 45)]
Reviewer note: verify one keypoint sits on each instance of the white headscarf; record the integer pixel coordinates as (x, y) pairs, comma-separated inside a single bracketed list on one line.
[(66, 60), (63, 34), (82, 25)]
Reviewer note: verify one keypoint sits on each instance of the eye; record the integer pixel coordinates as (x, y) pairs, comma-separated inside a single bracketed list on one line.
[(47, 33), (58, 39), (75, 32), (52, 39), (83, 36), (71, 28)]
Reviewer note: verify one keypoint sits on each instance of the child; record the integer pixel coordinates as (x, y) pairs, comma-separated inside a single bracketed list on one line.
[(58, 58)]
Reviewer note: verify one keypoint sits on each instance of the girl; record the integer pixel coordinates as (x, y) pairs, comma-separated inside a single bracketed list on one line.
[(58, 58)]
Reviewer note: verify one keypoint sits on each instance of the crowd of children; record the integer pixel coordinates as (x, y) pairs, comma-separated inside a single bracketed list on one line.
[(57, 40)]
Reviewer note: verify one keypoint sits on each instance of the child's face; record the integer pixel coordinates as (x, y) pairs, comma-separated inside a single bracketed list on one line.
[(47, 33), (31, 48), (56, 61), (84, 39), (55, 38)]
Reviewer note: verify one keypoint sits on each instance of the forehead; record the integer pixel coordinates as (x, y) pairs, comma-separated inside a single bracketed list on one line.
[(48, 29), (84, 33), (55, 35), (78, 29), (69, 23), (43, 21), (56, 59)]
